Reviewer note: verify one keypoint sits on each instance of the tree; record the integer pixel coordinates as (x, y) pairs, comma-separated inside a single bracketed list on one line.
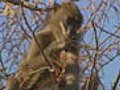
[(98, 48)]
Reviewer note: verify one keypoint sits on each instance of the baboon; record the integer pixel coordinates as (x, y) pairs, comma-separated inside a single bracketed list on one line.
[(70, 17), (58, 35)]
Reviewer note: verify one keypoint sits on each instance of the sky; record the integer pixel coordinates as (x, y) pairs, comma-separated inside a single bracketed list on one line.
[(110, 71)]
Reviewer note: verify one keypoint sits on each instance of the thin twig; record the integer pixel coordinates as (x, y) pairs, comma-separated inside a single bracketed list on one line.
[(3, 67), (112, 34), (27, 5), (116, 82), (96, 54)]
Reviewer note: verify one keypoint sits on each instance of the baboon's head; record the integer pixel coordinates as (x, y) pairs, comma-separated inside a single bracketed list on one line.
[(74, 20), (71, 16), (73, 13)]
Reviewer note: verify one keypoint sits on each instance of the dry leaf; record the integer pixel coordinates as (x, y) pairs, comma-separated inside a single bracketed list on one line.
[(8, 9), (85, 8), (92, 8)]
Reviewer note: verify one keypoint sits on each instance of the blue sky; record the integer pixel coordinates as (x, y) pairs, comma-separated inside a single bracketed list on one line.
[(109, 72)]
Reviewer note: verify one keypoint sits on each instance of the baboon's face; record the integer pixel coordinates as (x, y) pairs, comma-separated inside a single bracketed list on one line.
[(74, 16), (74, 20)]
